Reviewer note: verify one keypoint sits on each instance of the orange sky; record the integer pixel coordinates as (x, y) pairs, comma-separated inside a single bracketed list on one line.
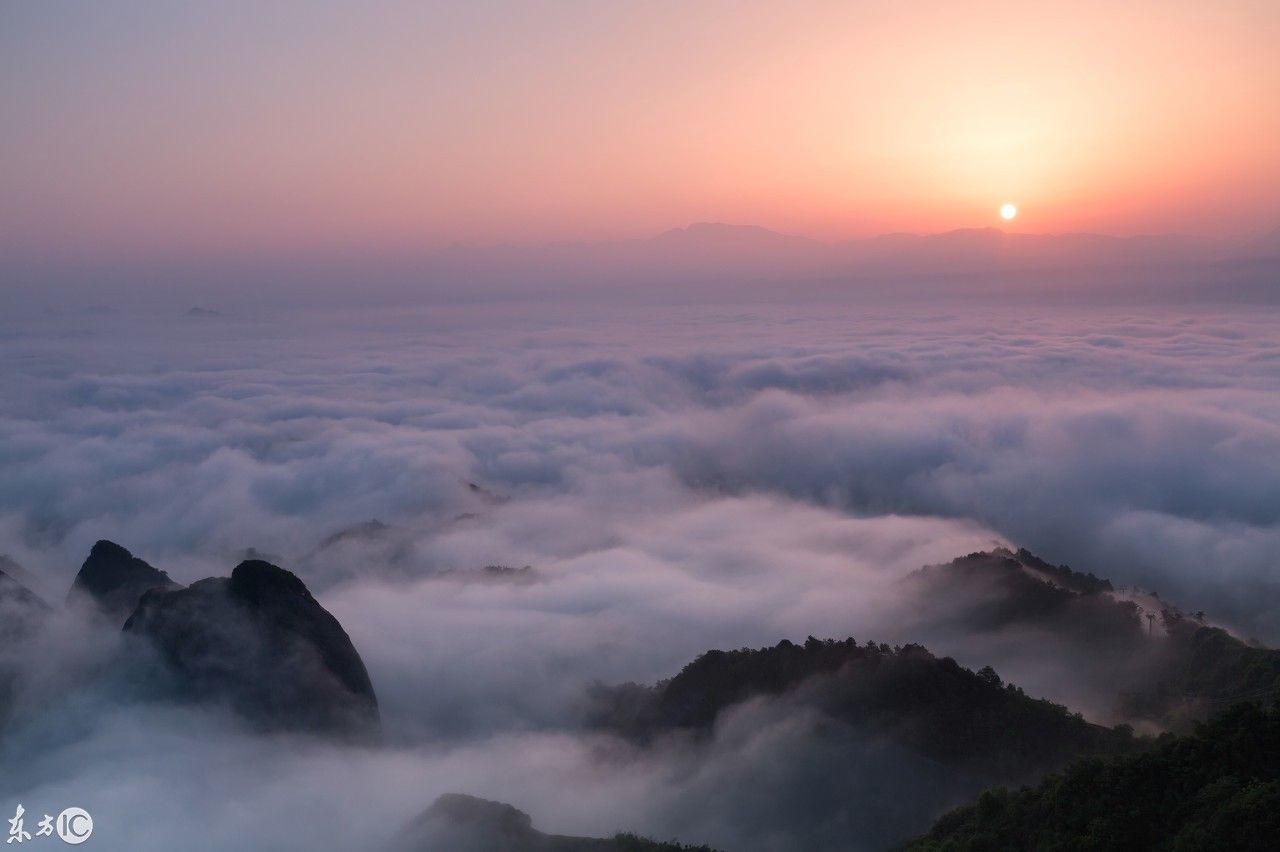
[(234, 127)]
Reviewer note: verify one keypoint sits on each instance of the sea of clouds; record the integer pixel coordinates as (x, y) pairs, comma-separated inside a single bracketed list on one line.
[(677, 479)]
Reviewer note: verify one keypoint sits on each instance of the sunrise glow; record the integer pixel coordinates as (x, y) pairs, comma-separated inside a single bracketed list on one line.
[(433, 426), (799, 117)]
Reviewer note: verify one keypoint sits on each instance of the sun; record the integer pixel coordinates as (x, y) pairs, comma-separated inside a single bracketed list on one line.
[(1008, 211)]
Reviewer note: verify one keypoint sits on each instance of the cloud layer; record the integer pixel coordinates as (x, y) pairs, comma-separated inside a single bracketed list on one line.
[(676, 479)]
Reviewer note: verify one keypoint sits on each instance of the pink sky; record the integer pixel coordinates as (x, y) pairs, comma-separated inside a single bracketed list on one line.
[(231, 129)]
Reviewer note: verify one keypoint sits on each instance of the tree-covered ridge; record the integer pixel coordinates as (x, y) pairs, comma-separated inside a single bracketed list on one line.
[(987, 591), (1164, 666), (632, 843), (1083, 582), (1209, 670), (929, 704), (1218, 788)]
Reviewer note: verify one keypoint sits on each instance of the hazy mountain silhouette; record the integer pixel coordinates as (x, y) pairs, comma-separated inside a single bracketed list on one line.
[(460, 823), (991, 591), (1162, 665), (22, 613), (17, 602), (977, 259), (21, 610), (365, 529)]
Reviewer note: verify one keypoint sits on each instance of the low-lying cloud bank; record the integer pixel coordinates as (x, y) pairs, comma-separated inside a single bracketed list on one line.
[(675, 481), (1145, 446)]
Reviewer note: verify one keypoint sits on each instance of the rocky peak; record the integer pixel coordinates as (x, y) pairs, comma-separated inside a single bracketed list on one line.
[(261, 643), (259, 582), (114, 580)]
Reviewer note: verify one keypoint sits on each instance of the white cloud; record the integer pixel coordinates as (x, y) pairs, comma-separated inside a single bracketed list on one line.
[(678, 480)]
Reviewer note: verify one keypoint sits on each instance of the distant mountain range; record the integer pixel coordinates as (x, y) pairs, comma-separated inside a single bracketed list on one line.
[(708, 253), (704, 261), (720, 245)]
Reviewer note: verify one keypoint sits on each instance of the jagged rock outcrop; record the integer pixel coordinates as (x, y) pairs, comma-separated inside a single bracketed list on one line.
[(261, 643), (113, 580), (460, 823)]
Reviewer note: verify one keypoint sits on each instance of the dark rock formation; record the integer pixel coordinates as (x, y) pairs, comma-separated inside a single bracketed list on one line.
[(113, 579), (459, 823), (260, 642)]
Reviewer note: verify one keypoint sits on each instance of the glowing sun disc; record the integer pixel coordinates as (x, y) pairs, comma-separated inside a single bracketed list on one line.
[(1008, 211)]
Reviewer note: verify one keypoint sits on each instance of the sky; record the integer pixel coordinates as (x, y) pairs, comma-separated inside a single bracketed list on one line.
[(143, 131)]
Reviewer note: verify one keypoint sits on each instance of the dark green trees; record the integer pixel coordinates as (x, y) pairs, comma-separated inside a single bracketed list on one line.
[(1218, 788)]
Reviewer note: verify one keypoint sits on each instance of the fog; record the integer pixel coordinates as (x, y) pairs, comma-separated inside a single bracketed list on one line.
[(677, 478)]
